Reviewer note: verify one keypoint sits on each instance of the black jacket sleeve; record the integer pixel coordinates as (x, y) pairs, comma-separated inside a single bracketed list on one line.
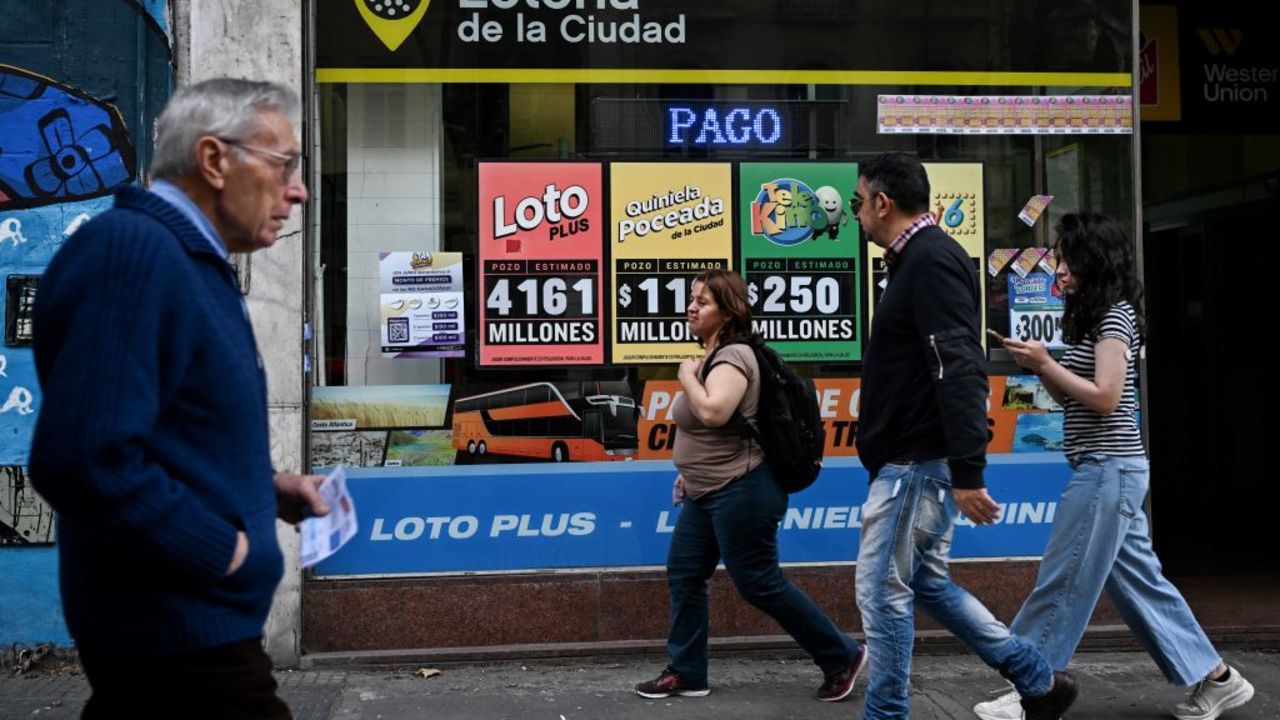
[(947, 308)]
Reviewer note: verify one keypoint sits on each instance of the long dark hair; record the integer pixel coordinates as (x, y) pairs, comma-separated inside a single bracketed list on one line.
[(730, 293), (1100, 256)]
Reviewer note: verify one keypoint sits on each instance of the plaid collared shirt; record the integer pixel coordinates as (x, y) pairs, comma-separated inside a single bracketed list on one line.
[(892, 252)]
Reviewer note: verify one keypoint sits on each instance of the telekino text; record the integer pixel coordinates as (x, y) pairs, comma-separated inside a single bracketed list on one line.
[(538, 302), (653, 298)]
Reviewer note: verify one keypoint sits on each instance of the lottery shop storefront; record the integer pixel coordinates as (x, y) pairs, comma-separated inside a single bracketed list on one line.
[(511, 199)]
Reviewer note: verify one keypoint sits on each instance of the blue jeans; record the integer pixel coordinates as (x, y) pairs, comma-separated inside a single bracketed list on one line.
[(907, 524), (1100, 540), (740, 522)]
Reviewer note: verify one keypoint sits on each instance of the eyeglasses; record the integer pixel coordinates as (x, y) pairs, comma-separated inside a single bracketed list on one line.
[(287, 162), (856, 203)]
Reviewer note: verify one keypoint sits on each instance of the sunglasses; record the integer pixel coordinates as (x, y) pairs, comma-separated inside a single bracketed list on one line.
[(856, 203)]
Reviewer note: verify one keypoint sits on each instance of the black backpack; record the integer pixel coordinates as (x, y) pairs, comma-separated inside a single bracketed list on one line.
[(790, 425)]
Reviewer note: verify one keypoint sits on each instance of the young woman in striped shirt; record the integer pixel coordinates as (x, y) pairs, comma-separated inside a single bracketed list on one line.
[(1100, 538)]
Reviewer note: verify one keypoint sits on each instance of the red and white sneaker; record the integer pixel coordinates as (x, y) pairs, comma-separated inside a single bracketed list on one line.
[(670, 683)]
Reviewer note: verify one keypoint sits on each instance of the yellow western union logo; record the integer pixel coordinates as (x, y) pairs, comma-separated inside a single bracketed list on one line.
[(1221, 40), (392, 20)]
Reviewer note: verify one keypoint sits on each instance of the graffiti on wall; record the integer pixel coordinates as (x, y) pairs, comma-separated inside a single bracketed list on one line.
[(60, 144), (24, 518), (62, 153)]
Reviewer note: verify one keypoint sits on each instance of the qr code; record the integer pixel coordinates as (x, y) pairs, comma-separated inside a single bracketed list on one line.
[(398, 330)]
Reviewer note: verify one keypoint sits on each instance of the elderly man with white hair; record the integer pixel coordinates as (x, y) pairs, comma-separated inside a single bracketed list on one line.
[(152, 442)]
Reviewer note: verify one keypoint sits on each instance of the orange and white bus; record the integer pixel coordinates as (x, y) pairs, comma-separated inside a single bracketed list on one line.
[(562, 421)]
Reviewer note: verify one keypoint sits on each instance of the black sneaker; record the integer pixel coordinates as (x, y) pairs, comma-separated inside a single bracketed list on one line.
[(667, 684), (839, 685), (1051, 705)]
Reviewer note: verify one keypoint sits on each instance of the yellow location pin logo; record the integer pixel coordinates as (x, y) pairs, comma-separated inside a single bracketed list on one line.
[(392, 20)]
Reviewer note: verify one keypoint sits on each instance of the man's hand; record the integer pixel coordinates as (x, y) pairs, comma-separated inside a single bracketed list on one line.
[(977, 505), (677, 491), (298, 498), (242, 552)]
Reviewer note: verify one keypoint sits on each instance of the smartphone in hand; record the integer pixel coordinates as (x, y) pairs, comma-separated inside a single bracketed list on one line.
[(995, 336)]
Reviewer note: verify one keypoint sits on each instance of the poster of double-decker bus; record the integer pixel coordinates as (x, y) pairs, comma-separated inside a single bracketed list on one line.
[(580, 421)]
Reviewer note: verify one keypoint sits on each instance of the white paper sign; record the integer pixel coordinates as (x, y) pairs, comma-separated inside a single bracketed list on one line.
[(323, 536), (421, 298)]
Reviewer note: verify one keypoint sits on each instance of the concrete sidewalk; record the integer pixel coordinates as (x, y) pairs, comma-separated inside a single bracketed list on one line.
[(1114, 686)]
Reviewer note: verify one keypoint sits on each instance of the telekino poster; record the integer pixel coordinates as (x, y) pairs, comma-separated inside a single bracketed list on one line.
[(800, 258), (541, 227), (668, 223)]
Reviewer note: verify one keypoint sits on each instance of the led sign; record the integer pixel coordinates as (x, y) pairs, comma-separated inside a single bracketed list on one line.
[(722, 126)]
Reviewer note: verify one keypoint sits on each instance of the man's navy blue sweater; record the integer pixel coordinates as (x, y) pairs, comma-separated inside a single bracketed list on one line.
[(924, 376), (152, 442)]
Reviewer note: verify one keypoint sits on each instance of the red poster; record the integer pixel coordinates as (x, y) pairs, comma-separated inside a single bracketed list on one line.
[(1001, 421), (657, 428), (541, 254), (837, 402), (838, 405)]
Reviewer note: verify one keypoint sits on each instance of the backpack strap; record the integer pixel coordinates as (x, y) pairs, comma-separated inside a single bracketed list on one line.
[(744, 427)]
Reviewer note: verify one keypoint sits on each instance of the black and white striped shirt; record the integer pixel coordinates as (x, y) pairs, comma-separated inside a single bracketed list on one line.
[(1086, 431)]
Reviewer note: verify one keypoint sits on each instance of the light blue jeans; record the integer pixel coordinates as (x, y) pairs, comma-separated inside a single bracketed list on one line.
[(908, 521), (1101, 539)]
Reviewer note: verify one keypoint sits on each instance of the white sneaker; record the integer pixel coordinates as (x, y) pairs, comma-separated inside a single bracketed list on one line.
[(1005, 707), (1210, 699)]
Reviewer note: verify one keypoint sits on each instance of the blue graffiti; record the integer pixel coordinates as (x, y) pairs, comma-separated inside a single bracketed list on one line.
[(59, 144), (19, 402)]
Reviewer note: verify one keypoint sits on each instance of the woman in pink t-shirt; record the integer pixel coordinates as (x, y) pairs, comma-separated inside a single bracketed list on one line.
[(731, 505)]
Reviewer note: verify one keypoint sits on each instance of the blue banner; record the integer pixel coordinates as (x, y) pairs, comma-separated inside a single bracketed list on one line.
[(548, 516)]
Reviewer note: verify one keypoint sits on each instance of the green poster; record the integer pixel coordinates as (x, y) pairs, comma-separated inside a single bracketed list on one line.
[(801, 251)]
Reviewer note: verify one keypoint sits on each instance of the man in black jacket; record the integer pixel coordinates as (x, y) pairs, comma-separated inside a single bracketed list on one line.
[(922, 435)]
